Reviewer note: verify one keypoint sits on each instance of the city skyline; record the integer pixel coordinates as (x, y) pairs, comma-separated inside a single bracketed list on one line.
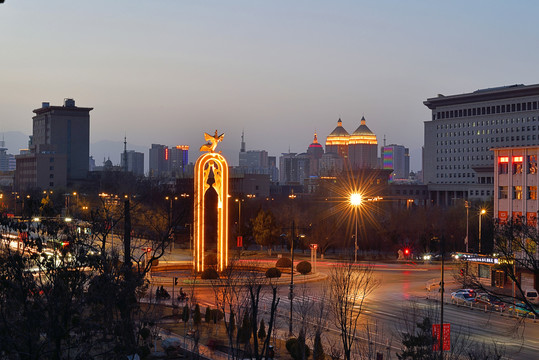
[(279, 71)]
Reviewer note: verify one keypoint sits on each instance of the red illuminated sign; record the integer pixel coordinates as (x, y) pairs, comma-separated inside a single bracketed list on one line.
[(502, 216), (166, 154), (517, 158), (446, 340), (503, 159)]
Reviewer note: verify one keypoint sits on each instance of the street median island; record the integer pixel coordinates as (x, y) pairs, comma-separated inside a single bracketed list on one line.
[(167, 271)]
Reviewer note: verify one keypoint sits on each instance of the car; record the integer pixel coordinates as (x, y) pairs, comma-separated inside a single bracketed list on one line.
[(532, 296), (467, 291), (463, 297), (490, 301), (521, 308)]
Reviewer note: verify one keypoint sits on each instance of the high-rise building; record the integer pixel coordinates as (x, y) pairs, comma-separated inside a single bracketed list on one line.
[(396, 158), (457, 156), (315, 152), (58, 150), (288, 168), (7, 161), (256, 162), (159, 160), (67, 129), (337, 141), (135, 162), (363, 148), (178, 159)]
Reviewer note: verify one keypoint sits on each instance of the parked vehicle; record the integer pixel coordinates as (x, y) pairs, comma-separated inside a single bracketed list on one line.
[(532, 296), (521, 308), (491, 301)]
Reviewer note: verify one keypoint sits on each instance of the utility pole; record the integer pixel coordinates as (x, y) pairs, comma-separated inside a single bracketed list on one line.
[(442, 301), (291, 295)]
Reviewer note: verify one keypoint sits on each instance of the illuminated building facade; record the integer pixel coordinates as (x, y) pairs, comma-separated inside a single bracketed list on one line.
[(178, 159), (363, 148), (396, 158), (515, 180), (315, 152), (337, 141), (457, 157), (208, 164)]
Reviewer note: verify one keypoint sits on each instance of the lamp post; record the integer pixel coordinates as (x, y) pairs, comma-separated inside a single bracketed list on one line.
[(170, 199), (239, 201), (355, 201), (467, 206), (481, 213)]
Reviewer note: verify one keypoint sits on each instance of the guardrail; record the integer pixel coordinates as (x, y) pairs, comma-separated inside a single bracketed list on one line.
[(479, 306)]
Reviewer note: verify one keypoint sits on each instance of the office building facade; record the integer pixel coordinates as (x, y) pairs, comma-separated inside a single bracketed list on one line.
[(457, 161), (135, 162)]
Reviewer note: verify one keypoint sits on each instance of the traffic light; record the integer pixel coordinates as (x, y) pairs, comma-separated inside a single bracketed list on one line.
[(461, 272), (406, 251)]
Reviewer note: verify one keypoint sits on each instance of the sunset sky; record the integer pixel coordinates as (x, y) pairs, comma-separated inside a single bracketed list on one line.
[(166, 71)]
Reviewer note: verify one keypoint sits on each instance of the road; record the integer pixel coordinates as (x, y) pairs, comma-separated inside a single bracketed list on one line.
[(401, 290)]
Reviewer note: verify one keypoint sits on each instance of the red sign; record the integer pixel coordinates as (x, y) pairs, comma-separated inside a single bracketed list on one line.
[(531, 219), (446, 340), (240, 241), (502, 216)]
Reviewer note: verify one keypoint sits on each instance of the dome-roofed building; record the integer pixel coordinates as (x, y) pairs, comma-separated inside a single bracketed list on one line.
[(337, 141), (363, 148), (315, 152)]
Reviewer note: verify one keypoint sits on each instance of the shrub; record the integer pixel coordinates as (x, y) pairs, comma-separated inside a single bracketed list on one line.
[(210, 259), (304, 267), (273, 273), (144, 333), (209, 274), (207, 315), (293, 346), (217, 315), (283, 262)]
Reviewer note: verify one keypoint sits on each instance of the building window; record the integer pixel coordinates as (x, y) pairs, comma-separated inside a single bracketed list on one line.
[(502, 192), (503, 165), (517, 165), (532, 164), (51, 159), (517, 192), (532, 192)]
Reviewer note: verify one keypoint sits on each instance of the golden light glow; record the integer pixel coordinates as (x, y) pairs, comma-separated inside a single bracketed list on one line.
[(355, 199), (483, 211), (206, 164)]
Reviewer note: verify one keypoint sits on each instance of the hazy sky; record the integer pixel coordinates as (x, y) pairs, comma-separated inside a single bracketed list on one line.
[(165, 71)]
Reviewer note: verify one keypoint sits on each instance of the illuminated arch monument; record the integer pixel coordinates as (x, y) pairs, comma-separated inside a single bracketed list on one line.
[(211, 162)]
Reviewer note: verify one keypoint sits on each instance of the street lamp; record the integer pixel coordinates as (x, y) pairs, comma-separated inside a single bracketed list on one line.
[(481, 213), (355, 201), (467, 206), (239, 201), (170, 199)]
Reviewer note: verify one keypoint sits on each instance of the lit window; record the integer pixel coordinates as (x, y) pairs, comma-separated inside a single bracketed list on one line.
[(517, 192), (532, 192)]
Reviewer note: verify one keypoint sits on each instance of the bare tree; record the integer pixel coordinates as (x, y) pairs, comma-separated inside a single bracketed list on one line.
[(239, 291), (350, 285)]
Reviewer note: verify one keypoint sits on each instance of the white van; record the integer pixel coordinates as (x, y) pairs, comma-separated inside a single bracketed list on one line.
[(532, 296)]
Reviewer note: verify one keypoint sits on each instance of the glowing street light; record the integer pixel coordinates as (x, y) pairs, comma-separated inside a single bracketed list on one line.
[(355, 201), (481, 213)]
